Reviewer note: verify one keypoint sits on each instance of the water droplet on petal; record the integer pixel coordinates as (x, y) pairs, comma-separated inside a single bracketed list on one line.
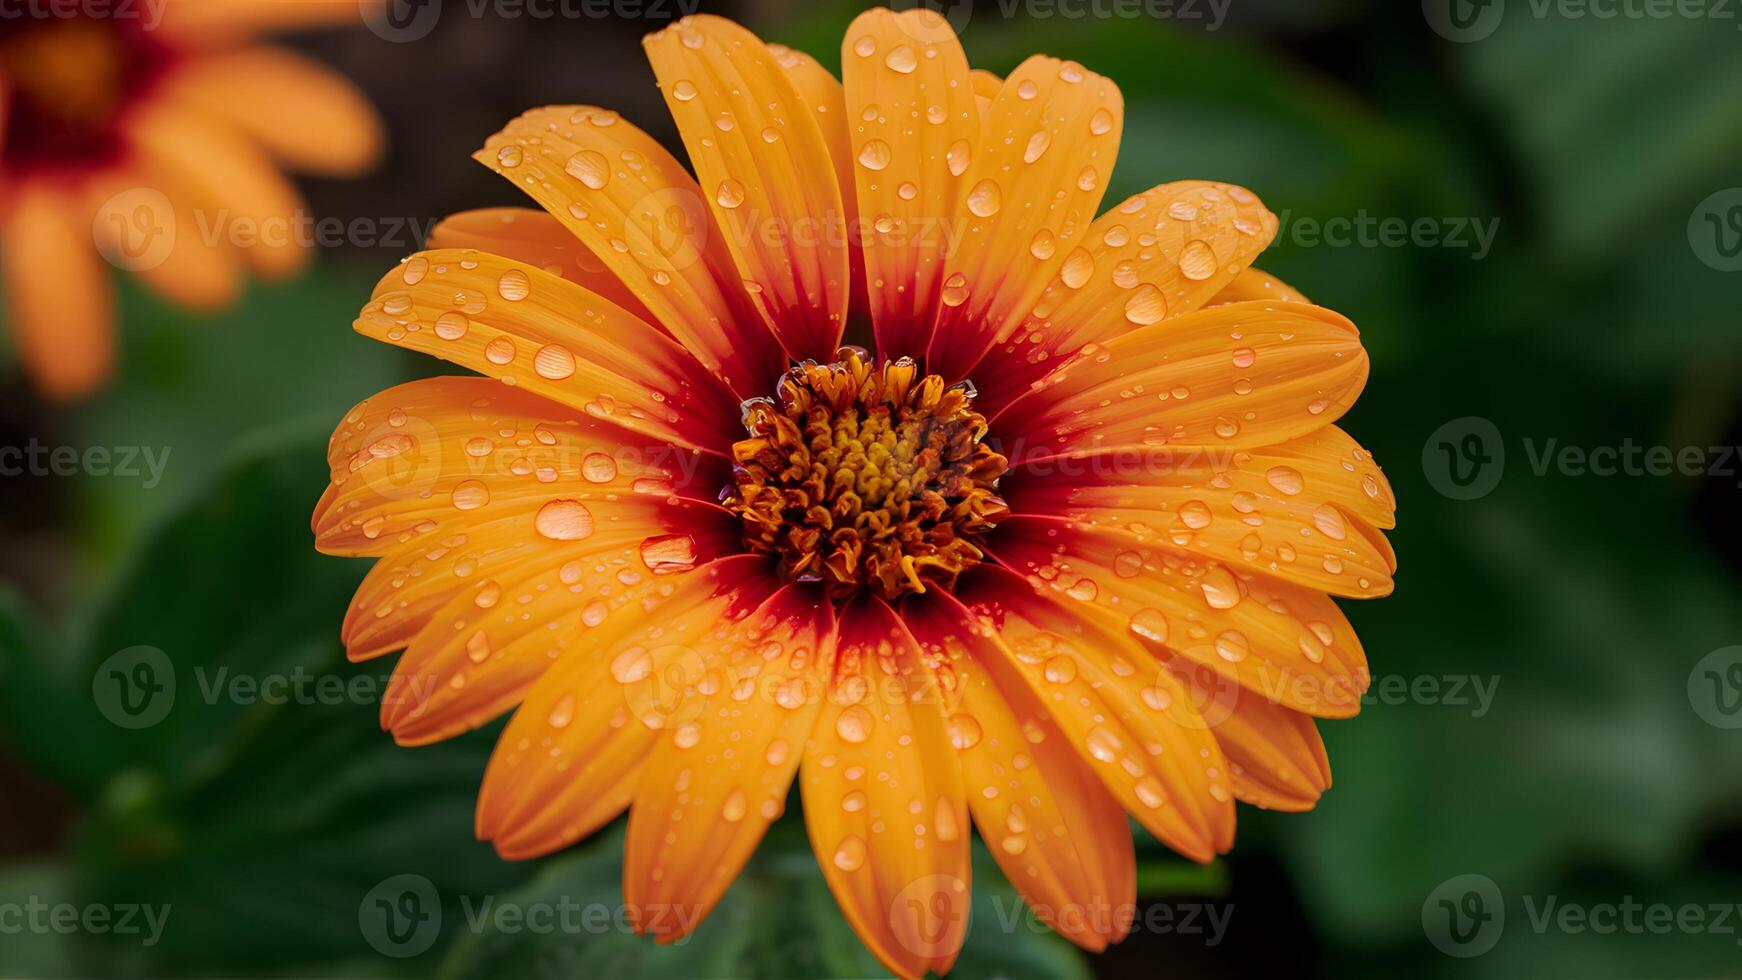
[(564, 520)]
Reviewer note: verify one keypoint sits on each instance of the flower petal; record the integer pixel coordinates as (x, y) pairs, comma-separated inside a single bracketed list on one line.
[(883, 798), (1246, 374), (1304, 510), (636, 208), (1045, 152), (1129, 720), (156, 237), (765, 170), (1290, 644), (1058, 834), (569, 759), (215, 21), (1161, 254), (822, 94), (1275, 755), (58, 293), (553, 338), (534, 237), (913, 121), (309, 118), (236, 189), (720, 769), (1253, 284), (437, 457)]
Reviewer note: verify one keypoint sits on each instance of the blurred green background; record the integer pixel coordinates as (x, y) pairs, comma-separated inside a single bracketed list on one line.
[(1560, 723)]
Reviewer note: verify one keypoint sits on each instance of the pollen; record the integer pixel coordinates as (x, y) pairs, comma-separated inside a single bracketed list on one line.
[(866, 477)]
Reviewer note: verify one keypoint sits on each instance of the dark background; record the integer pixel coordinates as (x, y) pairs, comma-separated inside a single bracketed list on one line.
[(1606, 770)]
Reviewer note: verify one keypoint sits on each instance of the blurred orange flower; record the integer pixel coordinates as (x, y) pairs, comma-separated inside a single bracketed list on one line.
[(132, 130), (1061, 550)]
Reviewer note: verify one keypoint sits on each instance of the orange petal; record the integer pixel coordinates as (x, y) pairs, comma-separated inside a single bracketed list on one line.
[(913, 123), (1131, 722), (430, 459), (720, 769), (766, 173), (215, 21), (569, 759), (1289, 644), (309, 118), (553, 338), (1060, 837), (1044, 155), (883, 798), (1253, 284), (57, 293), (1275, 755), (821, 92), (157, 235), (531, 236), (1161, 254), (636, 208), (1303, 510), (479, 653), (241, 199), (986, 84), (1243, 375)]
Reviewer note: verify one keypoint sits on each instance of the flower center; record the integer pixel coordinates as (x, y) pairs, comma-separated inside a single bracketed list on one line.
[(866, 477), (69, 79)]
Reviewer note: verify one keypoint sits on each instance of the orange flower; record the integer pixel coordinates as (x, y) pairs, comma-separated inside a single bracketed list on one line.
[(129, 135), (706, 551)]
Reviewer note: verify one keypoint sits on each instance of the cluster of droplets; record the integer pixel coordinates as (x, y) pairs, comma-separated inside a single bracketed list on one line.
[(1156, 253)]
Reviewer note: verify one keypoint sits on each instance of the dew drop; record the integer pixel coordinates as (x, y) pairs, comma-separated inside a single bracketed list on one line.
[(874, 155), (590, 168), (470, 495), (564, 520), (553, 362), (985, 199)]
